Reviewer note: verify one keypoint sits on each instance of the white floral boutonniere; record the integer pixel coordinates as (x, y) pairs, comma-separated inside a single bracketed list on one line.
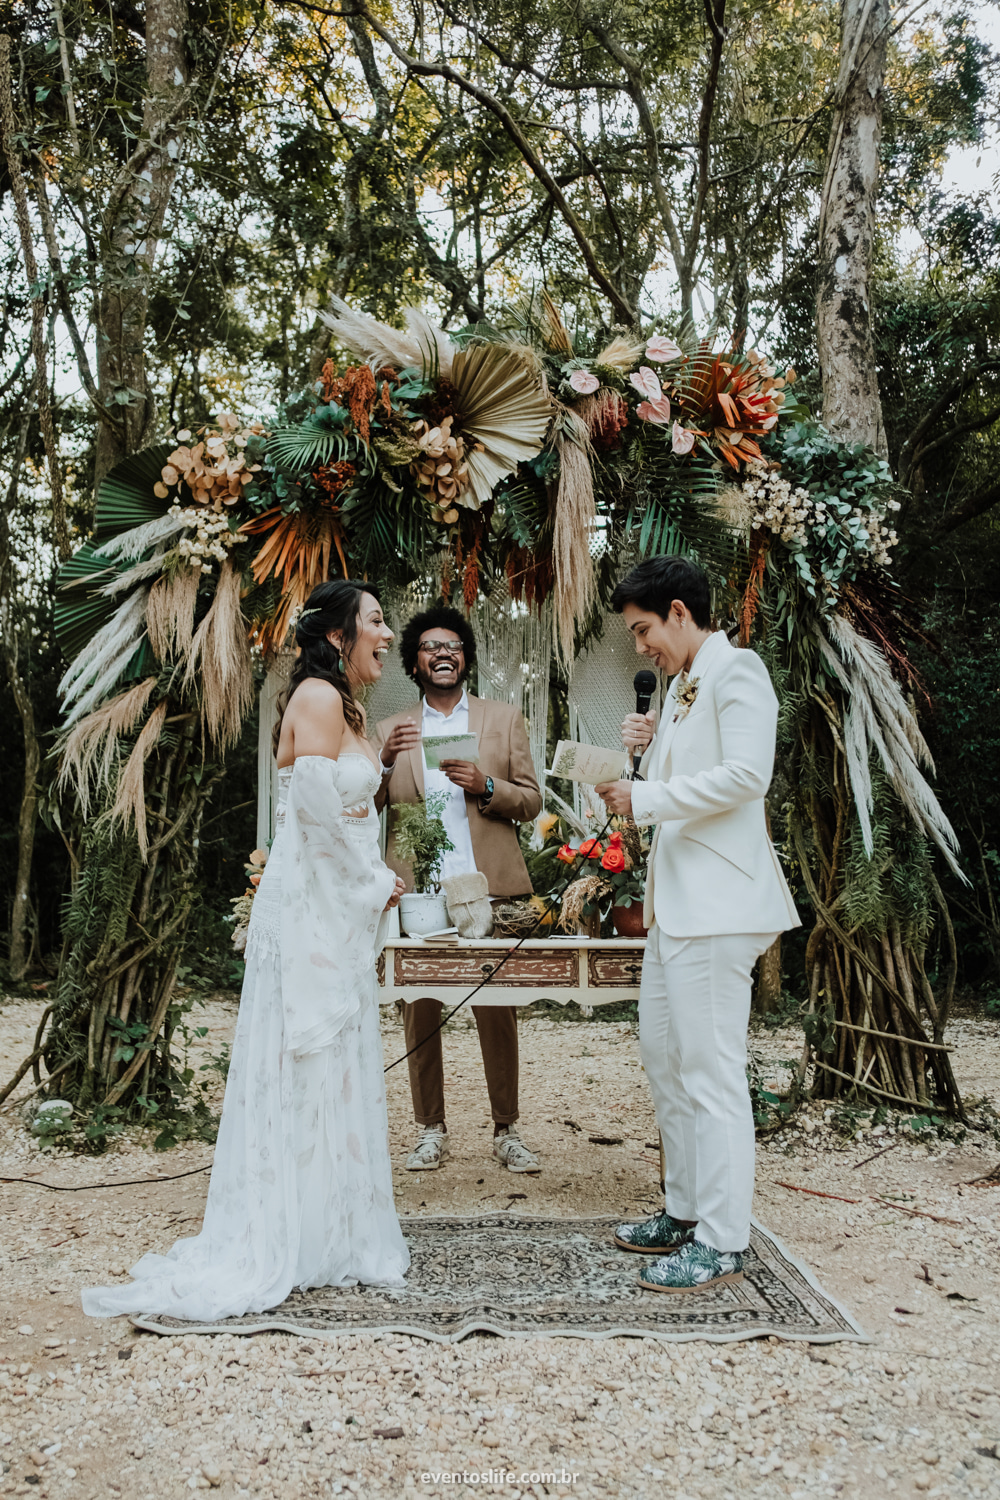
[(687, 692)]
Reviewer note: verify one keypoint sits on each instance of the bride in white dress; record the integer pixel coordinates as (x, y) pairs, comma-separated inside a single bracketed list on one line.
[(301, 1187)]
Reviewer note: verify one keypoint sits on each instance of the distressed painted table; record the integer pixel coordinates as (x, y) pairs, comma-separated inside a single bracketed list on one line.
[(587, 971)]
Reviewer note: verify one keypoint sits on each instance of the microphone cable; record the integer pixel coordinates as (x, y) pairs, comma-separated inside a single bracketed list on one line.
[(549, 909)]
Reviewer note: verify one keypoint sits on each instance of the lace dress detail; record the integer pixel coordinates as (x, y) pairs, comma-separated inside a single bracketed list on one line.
[(301, 1186)]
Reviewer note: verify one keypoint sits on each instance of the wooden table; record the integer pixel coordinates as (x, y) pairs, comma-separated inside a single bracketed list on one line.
[(587, 971)]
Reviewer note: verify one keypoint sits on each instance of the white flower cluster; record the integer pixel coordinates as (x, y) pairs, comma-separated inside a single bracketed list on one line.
[(212, 538), (790, 514), (774, 506), (881, 536)]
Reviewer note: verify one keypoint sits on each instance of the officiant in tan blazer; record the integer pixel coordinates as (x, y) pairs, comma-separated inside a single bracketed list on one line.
[(485, 803)]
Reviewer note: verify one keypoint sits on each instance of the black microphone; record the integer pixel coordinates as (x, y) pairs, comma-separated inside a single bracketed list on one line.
[(645, 686)]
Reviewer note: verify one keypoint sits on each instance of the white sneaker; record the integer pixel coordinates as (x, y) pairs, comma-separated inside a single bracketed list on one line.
[(511, 1152), (430, 1151)]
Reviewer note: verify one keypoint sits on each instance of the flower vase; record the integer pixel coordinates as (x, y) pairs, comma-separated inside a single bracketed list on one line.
[(628, 921)]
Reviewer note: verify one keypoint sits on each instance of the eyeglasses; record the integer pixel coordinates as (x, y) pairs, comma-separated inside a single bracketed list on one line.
[(446, 648)]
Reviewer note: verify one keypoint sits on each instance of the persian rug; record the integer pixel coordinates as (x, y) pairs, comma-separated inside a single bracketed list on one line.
[(517, 1276)]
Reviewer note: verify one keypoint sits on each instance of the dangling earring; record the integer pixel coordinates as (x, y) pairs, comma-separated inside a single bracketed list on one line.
[(340, 665)]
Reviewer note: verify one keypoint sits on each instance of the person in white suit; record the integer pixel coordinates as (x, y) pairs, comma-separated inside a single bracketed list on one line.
[(716, 898)]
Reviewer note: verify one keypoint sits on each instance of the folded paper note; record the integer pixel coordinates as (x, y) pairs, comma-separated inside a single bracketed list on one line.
[(439, 747), (588, 763)]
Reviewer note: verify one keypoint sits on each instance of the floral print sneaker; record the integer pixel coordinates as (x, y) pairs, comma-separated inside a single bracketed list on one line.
[(695, 1268), (659, 1235)]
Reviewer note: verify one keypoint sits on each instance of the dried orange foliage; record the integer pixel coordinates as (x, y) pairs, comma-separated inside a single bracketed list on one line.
[(215, 470), (331, 479), (738, 402), (297, 552), (760, 544), (355, 389)]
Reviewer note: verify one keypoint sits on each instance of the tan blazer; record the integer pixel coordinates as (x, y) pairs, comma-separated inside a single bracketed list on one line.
[(504, 755)]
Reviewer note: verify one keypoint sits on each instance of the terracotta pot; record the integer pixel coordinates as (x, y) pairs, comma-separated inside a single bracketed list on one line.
[(628, 921)]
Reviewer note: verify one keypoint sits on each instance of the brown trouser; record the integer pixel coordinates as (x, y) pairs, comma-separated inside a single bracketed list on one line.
[(497, 1026)]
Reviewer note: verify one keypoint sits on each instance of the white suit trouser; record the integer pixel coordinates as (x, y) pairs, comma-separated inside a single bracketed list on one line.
[(694, 1007)]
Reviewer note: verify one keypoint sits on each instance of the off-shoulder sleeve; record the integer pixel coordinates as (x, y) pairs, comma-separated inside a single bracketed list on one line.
[(334, 889)]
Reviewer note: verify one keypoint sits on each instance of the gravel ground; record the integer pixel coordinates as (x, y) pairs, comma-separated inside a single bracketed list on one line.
[(88, 1408)]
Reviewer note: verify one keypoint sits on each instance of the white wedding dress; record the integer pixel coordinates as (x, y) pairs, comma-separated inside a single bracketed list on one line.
[(301, 1186)]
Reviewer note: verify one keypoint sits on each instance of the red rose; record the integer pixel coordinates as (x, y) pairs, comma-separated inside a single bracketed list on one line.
[(614, 842), (591, 848), (613, 861), (567, 854)]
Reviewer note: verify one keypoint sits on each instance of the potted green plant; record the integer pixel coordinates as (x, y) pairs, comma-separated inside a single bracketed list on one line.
[(422, 840)]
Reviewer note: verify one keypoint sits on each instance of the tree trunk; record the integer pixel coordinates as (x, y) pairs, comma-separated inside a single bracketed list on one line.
[(851, 407), (20, 945), (767, 981), (132, 225)]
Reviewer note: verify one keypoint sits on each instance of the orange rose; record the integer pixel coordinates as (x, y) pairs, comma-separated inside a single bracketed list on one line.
[(591, 849), (567, 854), (613, 861)]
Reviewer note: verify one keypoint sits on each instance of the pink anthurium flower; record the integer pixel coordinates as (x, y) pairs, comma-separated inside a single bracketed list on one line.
[(662, 349), (683, 441), (647, 382), (657, 411), (584, 382)]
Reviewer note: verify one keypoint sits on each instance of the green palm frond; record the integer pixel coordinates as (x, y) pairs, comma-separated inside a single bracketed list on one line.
[(125, 500), (320, 439)]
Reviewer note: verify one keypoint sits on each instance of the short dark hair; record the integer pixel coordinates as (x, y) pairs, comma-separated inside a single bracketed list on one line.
[(657, 582), (440, 617)]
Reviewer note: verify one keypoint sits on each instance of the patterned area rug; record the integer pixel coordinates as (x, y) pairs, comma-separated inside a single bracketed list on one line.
[(527, 1277)]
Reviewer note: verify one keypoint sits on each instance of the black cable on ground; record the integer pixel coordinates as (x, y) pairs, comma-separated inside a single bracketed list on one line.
[(89, 1187)]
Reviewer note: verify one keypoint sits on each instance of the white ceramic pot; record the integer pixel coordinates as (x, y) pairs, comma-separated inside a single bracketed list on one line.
[(422, 913)]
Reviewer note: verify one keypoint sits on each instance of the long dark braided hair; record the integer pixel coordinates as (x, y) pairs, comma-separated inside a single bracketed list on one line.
[(331, 606)]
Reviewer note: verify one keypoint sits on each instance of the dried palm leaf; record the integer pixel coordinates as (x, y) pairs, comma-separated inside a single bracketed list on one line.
[(130, 798), (554, 330), (502, 410), (170, 613), (88, 751), (879, 717), (220, 659), (573, 529), (297, 555), (98, 666)]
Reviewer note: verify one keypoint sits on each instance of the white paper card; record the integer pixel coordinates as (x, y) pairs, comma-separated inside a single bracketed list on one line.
[(439, 747), (588, 763)]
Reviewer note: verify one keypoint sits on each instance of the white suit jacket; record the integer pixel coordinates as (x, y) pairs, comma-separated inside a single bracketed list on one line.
[(712, 867)]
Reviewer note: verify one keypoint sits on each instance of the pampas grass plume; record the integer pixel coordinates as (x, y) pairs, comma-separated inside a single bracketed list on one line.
[(130, 796), (221, 650)]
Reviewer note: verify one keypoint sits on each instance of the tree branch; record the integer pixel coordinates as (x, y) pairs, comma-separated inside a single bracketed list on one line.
[(420, 69)]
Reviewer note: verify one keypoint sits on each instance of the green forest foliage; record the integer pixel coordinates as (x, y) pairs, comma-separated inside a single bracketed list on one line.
[(653, 164)]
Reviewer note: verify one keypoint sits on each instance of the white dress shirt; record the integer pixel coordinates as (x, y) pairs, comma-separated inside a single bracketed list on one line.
[(461, 860)]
